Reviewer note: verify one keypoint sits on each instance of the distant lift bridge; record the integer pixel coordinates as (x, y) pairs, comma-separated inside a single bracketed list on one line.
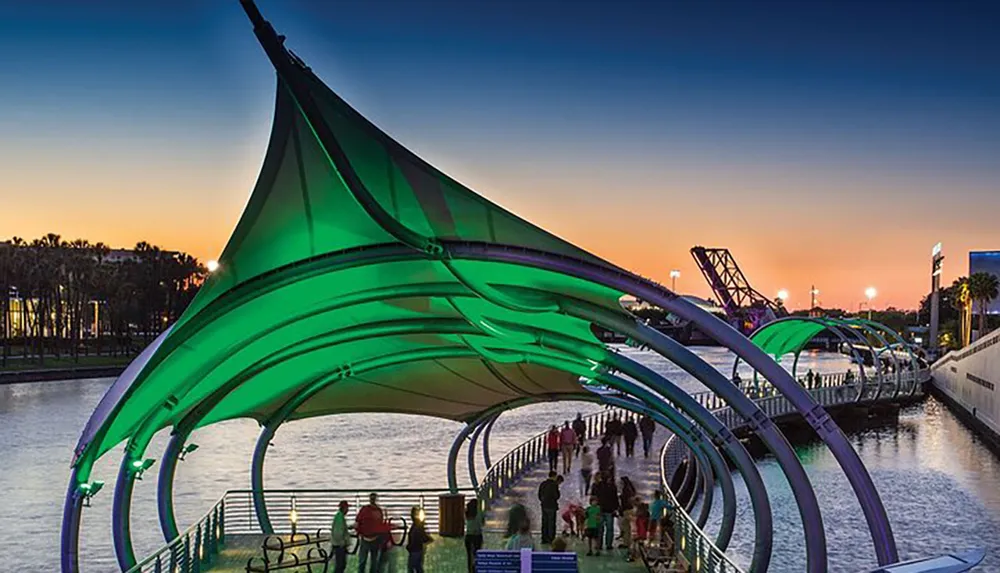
[(746, 307)]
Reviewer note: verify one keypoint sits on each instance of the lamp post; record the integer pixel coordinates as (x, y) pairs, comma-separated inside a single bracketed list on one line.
[(783, 296), (870, 293), (674, 273)]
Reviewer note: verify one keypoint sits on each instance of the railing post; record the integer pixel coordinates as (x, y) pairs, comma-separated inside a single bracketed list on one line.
[(198, 551), (187, 553), (222, 523)]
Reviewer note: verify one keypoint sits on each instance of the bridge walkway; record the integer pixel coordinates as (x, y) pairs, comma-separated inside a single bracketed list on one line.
[(644, 473)]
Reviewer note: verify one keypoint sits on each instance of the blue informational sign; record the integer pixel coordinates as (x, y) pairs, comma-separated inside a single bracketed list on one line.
[(546, 562), (490, 561), (525, 561)]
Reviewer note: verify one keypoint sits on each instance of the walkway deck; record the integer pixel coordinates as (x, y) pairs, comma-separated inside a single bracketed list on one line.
[(443, 555)]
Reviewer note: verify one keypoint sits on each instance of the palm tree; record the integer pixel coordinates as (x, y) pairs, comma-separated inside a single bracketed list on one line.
[(961, 302), (983, 288)]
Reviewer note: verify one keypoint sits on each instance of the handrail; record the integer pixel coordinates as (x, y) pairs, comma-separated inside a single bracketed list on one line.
[(194, 547), (505, 472), (830, 390)]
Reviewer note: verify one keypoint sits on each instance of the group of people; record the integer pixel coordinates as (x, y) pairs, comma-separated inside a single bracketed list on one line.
[(637, 521), (374, 533)]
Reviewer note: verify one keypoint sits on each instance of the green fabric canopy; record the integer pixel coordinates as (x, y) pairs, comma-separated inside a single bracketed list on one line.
[(314, 292), (788, 336)]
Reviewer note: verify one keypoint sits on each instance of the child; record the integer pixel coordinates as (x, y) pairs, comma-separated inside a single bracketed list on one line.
[(573, 517), (593, 522), (657, 510), (415, 545), (522, 539), (641, 530)]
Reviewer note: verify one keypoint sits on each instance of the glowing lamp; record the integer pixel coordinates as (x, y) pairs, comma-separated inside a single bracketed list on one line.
[(870, 292), (782, 295), (138, 467), (89, 490), (293, 514), (212, 265)]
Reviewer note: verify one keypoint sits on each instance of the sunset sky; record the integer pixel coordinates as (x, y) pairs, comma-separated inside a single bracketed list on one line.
[(824, 143)]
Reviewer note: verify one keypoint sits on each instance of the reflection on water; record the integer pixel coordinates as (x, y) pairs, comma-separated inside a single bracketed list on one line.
[(925, 469)]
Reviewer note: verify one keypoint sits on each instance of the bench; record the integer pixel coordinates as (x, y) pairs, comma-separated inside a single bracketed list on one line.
[(275, 543), (315, 556)]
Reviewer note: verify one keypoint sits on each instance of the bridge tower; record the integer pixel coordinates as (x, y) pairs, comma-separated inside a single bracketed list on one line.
[(744, 305)]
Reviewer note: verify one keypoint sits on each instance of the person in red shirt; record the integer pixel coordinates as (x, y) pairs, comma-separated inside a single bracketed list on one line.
[(553, 441), (372, 529)]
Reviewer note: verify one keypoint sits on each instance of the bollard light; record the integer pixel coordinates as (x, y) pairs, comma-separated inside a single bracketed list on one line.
[(293, 515)]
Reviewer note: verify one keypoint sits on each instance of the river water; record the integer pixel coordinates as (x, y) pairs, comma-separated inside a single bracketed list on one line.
[(938, 481)]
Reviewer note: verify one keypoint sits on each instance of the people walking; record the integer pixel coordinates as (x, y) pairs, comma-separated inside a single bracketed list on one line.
[(372, 530), (473, 532), (338, 538), (607, 497), (522, 539), (416, 541), (580, 427), (613, 432), (548, 495), (552, 441), (567, 443), (810, 379), (630, 432), (586, 471), (647, 427)]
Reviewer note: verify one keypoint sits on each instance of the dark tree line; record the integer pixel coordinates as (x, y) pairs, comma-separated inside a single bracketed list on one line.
[(66, 298)]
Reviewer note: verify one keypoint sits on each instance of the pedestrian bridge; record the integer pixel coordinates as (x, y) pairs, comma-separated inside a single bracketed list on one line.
[(361, 279), (231, 533)]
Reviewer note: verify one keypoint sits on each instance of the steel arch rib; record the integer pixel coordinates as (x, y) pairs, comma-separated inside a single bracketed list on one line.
[(614, 278), (814, 414)]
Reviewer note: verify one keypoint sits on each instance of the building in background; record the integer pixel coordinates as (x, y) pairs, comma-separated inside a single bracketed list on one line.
[(986, 262)]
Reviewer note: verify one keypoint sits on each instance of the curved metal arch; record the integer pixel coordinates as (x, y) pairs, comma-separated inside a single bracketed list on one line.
[(915, 363), (815, 415), (486, 443), (827, 324), (878, 336), (599, 274), (471, 462)]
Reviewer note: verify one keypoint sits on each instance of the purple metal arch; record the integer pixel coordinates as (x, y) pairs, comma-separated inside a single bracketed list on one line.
[(644, 289)]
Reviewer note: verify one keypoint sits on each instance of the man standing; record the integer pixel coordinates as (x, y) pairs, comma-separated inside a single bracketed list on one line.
[(630, 433), (552, 441), (338, 538), (614, 433), (371, 527), (647, 427), (605, 461), (548, 495), (607, 498), (580, 427), (567, 442)]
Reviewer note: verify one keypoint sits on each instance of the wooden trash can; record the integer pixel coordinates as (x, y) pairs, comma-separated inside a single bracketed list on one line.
[(452, 512)]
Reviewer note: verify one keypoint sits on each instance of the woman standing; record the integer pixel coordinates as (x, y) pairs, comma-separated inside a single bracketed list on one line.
[(473, 532)]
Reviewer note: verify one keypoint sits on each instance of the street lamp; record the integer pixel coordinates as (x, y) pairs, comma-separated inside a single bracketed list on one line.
[(212, 265), (870, 293), (674, 273), (782, 296)]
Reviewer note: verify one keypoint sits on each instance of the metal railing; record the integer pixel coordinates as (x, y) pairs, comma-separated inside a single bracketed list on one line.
[(828, 390), (509, 469), (234, 514), (314, 508), (191, 550)]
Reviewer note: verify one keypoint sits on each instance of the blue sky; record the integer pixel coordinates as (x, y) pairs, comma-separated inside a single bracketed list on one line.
[(828, 143)]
